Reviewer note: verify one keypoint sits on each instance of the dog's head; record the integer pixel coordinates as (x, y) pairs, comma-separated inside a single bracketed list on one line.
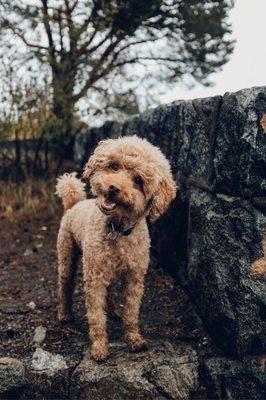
[(130, 177)]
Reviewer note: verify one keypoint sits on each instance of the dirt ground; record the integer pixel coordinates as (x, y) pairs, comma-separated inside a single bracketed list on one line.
[(28, 297)]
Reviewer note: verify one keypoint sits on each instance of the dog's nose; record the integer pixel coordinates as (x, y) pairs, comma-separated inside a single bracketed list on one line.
[(113, 190)]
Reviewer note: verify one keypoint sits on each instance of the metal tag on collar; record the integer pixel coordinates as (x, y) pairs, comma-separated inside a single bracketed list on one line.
[(116, 229), (111, 224), (113, 234)]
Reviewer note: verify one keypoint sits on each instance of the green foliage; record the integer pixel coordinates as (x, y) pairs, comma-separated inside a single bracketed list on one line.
[(203, 27), (124, 17)]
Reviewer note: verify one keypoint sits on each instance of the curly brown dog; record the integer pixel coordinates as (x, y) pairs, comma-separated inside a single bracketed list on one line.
[(131, 179)]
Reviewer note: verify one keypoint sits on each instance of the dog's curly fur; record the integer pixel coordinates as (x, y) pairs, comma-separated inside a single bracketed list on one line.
[(131, 179)]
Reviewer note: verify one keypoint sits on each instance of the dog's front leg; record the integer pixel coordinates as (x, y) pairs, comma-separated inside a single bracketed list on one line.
[(133, 297), (95, 293)]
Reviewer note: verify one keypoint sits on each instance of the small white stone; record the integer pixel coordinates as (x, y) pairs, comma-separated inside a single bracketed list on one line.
[(28, 252), (43, 361), (31, 305)]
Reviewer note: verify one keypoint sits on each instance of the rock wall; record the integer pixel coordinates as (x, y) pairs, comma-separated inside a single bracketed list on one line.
[(212, 234)]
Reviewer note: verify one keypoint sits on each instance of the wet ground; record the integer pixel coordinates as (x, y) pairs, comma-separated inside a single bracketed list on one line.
[(28, 298)]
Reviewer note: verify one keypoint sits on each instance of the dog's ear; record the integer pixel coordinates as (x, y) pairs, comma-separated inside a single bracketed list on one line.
[(97, 159), (90, 166), (165, 193)]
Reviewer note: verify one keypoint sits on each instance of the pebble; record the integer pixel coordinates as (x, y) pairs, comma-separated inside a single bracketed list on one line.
[(31, 305), (39, 334)]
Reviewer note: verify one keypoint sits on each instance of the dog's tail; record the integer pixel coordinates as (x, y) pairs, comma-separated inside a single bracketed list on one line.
[(70, 189)]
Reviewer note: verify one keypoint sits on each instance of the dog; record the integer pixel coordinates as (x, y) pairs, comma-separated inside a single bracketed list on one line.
[(131, 180)]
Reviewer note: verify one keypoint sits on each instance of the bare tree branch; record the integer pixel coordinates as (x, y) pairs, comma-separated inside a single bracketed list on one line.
[(93, 77), (19, 33), (59, 19), (85, 50), (48, 29), (74, 5), (71, 27)]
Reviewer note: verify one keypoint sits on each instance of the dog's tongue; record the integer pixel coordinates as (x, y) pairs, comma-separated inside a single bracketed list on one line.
[(108, 205)]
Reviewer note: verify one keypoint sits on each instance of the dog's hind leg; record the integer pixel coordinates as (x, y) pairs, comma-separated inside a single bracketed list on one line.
[(67, 266)]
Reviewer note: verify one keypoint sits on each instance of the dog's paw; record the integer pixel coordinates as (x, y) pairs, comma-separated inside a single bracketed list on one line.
[(99, 351), (136, 343)]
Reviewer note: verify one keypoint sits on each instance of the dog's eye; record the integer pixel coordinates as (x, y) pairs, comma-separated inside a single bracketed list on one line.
[(138, 180), (114, 166)]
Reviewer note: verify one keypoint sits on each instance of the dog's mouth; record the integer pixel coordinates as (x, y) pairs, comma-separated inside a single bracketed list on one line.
[(108, 205)]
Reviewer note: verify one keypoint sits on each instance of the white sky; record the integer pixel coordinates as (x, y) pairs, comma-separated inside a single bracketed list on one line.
[(247, 65)]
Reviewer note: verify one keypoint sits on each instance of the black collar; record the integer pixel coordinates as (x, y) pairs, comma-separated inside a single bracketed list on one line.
[(119, 228)]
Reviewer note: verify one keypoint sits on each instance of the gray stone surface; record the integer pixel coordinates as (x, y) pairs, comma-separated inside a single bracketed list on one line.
[(240, 147), (225, 238), (12, 375), (234, 380), (165, 371), (176, 379)]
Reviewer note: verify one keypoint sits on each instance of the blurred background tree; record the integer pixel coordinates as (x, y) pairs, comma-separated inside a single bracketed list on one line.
[(107, 54)]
